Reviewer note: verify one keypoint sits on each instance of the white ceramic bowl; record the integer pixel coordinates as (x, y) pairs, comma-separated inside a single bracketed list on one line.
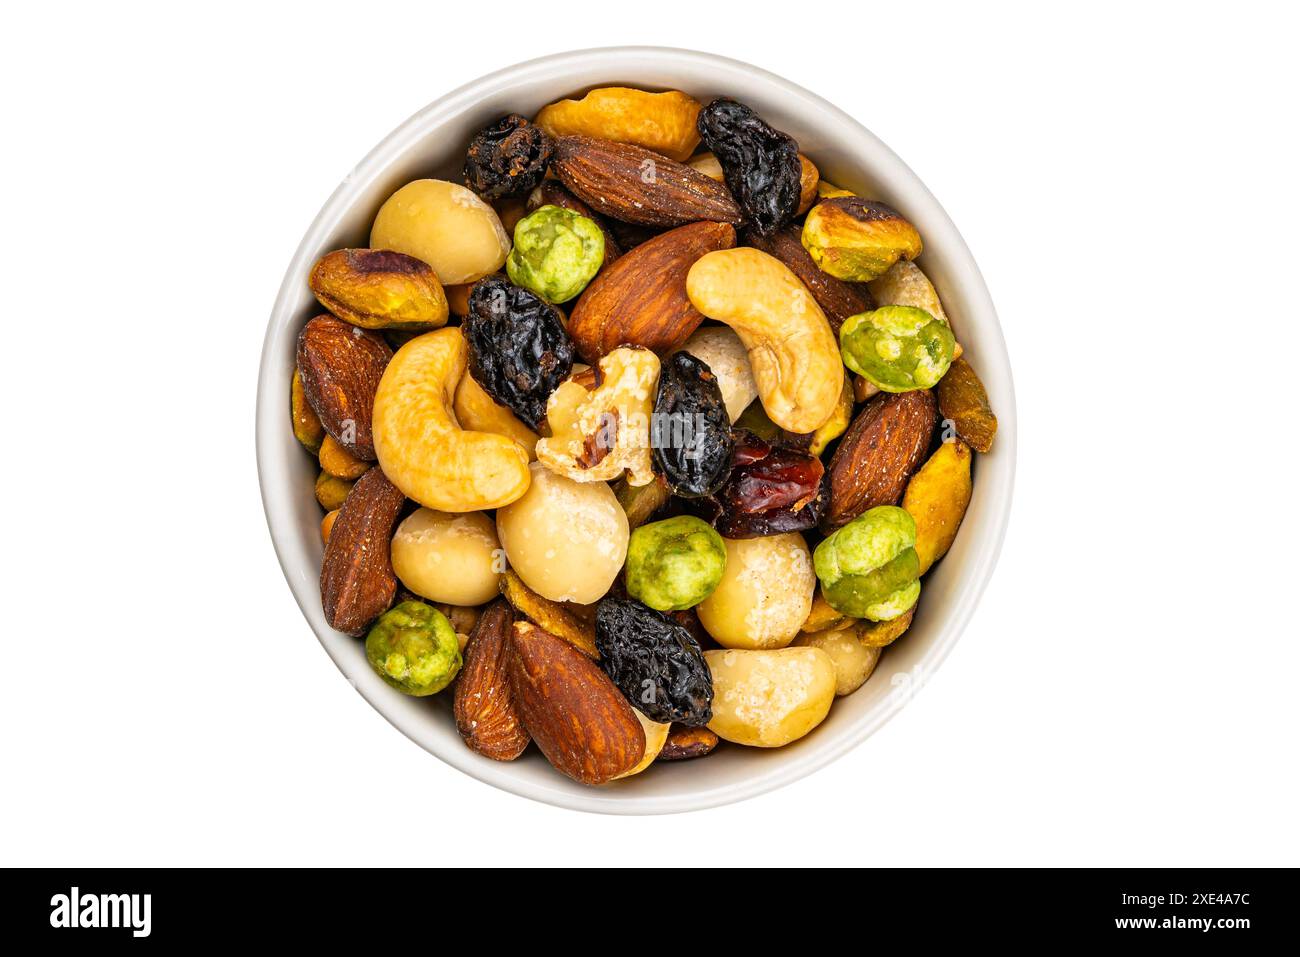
[(432, 143)]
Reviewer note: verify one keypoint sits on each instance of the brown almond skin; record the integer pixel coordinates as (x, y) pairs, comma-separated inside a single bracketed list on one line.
[(357, 583), (638, 186), (963, 401), (340, 365), (641, 299), (885, 444), (486, 714), (379, 289), (577, 716), (554, 193), (838, 299), (686, 742)]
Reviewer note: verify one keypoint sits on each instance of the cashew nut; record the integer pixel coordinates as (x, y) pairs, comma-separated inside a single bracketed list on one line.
[(422, 448), (478, 411), (792, 350)]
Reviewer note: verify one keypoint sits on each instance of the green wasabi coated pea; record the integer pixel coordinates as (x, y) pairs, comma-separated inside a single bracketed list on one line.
[(869, 568), (556, 253), (674, 564), (413, 647), (898, 348)]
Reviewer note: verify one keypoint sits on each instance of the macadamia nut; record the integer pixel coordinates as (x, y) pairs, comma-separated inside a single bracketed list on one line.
[(768, 698), (853, 660), (451, 558), (445, 225), (567, 540), (765, 594)]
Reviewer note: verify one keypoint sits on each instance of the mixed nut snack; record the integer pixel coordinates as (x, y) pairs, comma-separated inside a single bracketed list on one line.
[(640, 440)]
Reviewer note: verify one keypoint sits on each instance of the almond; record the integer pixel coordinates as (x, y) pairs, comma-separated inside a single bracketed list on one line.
[(838, 299), (486, 714), (878, 454), (579, 719), (357, 583), (340, 366), (637, 186), (641, 299)]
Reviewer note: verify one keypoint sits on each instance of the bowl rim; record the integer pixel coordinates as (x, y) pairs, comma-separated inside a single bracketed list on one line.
[(995, 361)]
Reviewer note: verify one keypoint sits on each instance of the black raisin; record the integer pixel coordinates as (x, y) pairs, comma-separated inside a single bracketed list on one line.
[(690, 429), (654, 661), (771, 490), (519, 351), (508, 158), (760, 164)]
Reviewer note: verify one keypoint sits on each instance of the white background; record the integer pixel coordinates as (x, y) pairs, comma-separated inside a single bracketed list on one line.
[(1126, 694)]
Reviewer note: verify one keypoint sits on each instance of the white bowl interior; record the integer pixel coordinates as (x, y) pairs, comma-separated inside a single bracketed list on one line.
[(432, 143)]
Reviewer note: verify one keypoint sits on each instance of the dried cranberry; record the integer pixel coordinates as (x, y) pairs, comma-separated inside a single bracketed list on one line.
[(771, 490)]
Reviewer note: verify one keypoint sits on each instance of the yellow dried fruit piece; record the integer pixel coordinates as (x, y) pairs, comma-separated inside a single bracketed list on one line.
[(327, 525), (823, 617), (339, 462), (809, 178), (307, 427), (477, 410), (662, 122), (877, 634), (551, 616), (937, 497), (597, 435), (827, 190), (837, 424), (331, 491), (964, 403)]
